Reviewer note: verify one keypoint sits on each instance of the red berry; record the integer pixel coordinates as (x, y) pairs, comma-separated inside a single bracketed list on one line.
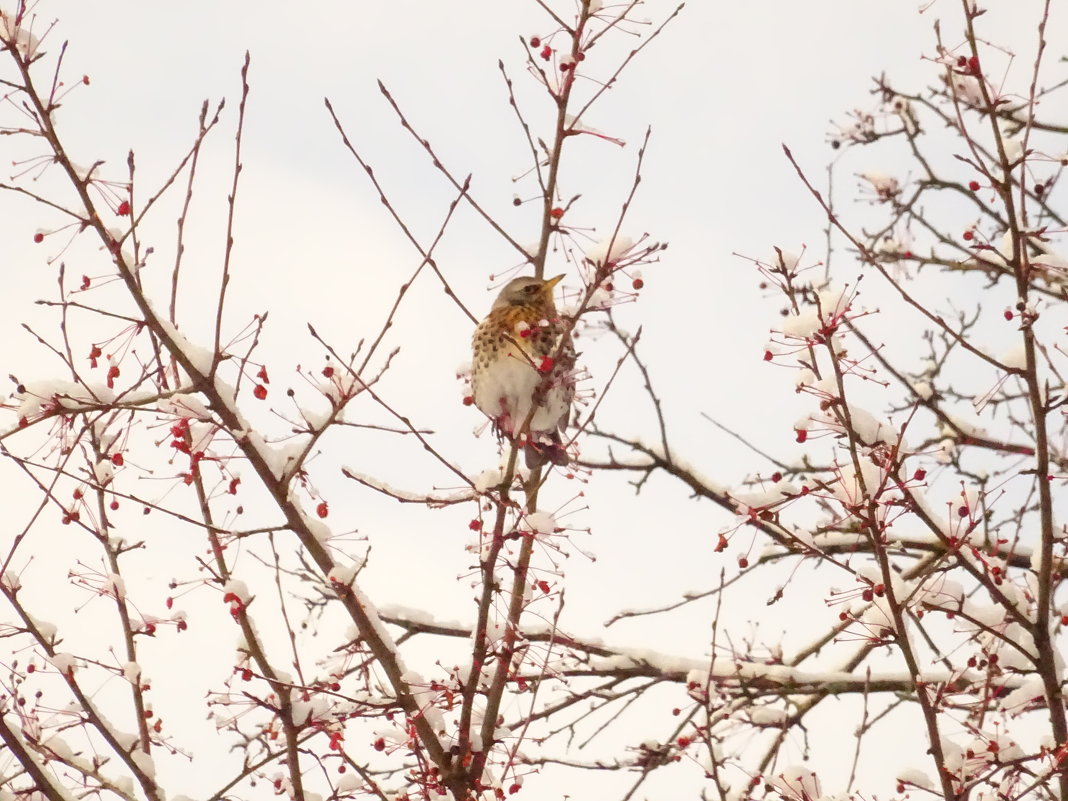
[(322, 509), (85, 79), (262, 375), (380, 744), (123, 209), (776, 477), (546, 364), (802, 435), (743, 562), (85, 282), (637, 283), (1008, 314), (468, 400), (556, 213), (328, 371), (919, 475), (969, 236), (973, 185), (768, 356), (114, 505), (260, 392), (117, 460), (546, 52), (535, 41), (38, 237)]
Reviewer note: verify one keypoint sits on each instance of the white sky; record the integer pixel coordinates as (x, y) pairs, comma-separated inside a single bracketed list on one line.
[(723, 87)]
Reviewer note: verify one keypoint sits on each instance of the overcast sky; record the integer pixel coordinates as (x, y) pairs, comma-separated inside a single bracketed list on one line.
[(725, 85)]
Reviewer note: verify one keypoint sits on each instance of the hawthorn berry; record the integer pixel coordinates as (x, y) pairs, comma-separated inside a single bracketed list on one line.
[(123, 209), (969, 236), (556, 213), (323, 509), (38, 237), (535, 41), (260, 392), (973, 185), (637, 283)]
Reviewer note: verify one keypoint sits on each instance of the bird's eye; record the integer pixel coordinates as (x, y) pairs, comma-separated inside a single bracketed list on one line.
[(530, 290)]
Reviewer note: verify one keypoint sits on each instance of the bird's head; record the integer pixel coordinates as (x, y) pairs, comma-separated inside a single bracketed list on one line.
[(527, 291)]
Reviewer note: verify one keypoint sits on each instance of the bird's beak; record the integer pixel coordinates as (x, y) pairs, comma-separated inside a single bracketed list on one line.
[(550, 283)]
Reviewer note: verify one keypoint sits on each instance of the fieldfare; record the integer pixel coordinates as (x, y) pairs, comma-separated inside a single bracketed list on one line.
[(523, 367)]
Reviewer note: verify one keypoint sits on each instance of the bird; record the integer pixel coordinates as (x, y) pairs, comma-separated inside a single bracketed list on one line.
[(523, 367)]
